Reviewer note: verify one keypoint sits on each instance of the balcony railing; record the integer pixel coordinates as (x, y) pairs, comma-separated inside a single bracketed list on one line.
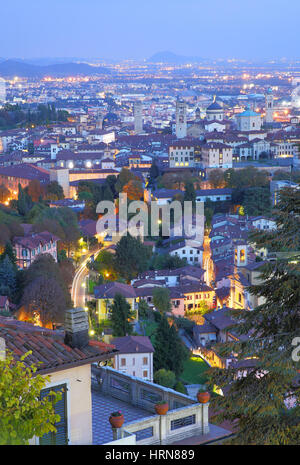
[(185, 417)]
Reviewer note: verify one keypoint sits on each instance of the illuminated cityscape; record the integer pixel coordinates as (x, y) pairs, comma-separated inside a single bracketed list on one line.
[(149, 230)]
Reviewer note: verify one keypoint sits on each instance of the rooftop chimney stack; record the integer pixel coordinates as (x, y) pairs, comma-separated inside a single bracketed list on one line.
[(76, 328), (2, 348)]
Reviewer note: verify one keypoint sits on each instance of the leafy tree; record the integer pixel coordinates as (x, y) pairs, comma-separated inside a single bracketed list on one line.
[(161, 299), (189, 193), (121, 315), (280, 175), (15, 229), (44, 300), (179, 387), (4, 235), (165, 378), (246, 177), (105, 265), (208, 213), (124, 177), (10, 253), (144, 311), (131, 257), (86, 196), (134, 189), (35, 212), (44, 265), (216, 178), (153, 174), (170, 352), (185, 324), (54, 191), (257, 201), (23, 414), (24, 202), (4, 193), (166, 261), (175, 180), (259, 402), (7, 277), (202, 309), (67, 272), (61, 222), (35, 190)]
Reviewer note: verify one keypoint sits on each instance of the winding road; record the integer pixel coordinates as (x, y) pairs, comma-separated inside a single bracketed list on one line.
[(78, 290)]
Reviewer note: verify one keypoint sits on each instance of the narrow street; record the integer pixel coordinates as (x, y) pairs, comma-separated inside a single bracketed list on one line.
[(207, 260), (78, 290)]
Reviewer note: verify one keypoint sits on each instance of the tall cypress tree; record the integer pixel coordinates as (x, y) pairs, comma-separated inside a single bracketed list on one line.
[(8, 278), (265, 403), (24, 202), (170, 352), (120, 316), (9, 251)]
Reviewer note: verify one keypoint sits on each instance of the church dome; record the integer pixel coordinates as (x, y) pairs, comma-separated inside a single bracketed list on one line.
[(248, 112), (214, 106)]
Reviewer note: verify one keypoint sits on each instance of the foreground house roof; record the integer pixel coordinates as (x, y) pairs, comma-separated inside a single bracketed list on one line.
[(49, 352)]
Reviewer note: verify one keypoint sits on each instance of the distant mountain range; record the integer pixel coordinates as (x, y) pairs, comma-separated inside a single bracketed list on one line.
[(11, 68), (173, 58)]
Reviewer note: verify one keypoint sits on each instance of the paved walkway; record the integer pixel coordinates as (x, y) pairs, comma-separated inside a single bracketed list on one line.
[(192, 390), (102, 407)]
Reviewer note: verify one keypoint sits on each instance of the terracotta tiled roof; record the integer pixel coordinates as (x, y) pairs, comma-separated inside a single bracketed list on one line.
[(32, 241), (49, 351)]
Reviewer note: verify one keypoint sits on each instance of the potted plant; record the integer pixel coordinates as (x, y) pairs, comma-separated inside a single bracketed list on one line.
[(161, 407), (203, 396), (116, 419)]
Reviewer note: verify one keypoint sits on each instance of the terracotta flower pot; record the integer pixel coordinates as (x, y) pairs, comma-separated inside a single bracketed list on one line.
[(116, 422), (203, 397), (161, 409)]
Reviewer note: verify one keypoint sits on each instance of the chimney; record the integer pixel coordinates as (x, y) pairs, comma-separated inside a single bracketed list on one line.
[(76, 328), (2, 348)]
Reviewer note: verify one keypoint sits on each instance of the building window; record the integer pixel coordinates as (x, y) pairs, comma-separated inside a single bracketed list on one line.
[(145, 374), (145, 361), (60, 437), (123, 362)]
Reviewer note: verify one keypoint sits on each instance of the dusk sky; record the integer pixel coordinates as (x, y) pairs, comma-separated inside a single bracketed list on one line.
[(255, 29)]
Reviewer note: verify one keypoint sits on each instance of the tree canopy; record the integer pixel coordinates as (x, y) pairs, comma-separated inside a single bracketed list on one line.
[(23, 414), (265, 403), (121, 314)]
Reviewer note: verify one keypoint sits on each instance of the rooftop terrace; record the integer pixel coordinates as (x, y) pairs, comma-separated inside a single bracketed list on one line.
[(186, 420)]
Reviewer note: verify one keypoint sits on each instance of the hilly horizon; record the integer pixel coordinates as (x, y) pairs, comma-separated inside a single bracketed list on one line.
[(11, 68)]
